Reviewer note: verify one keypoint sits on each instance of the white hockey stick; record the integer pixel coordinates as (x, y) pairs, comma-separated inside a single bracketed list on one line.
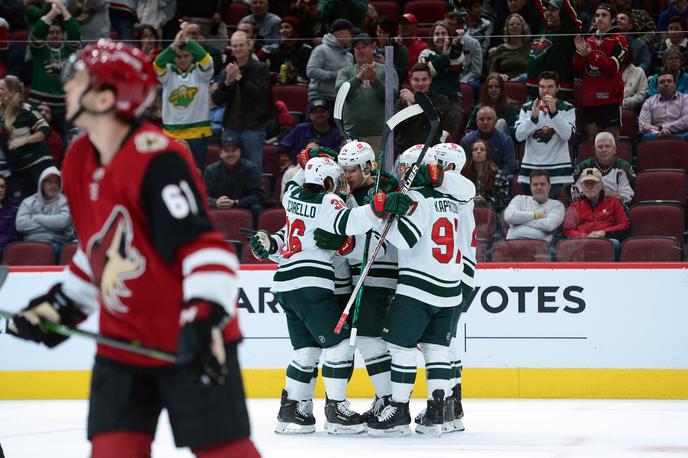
[(429, 112), (339, 108)]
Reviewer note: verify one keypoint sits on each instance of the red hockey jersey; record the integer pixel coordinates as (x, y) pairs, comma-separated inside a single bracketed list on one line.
[(602, 73), (146, 241)]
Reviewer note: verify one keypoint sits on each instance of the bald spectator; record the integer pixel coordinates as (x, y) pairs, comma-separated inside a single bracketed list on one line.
[(268, 23), (501, 145), (665, 115), (327, 59), (244, 89)]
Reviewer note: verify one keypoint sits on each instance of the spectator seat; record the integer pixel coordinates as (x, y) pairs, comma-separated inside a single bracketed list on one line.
[(657, 219), (67, 252), (270, 159), (660, 184), (517, 91), (236, 11), (650, 249), (22, 253), (272, 219), (387, 8), (663, 154), (466, 98), (585, 250), (629, 124), (228, 222), (520, 251), (481, 251), (485, 223), (427, 11), (295, 96), (212, 154)]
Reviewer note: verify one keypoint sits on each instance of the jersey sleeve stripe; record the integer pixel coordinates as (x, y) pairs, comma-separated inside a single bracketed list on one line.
[(341, 221), (218, 287), (81, 291), (214, 268), (412, 226), (409, 236), (209, 256)]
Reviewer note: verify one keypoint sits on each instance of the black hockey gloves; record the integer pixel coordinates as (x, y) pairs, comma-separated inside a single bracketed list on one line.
[(200, 342), (262, 245), (395, 203), (55, 307), (428, 175)]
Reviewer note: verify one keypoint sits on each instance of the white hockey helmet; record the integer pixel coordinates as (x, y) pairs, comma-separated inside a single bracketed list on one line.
[(410, 156), (319, 168), (450, 153), (356, 153)]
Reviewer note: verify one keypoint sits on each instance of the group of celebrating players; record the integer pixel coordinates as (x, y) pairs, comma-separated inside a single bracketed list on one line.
[(412, 297)]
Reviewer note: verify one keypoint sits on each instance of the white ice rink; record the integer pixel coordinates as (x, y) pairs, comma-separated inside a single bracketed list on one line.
[(494, 428)]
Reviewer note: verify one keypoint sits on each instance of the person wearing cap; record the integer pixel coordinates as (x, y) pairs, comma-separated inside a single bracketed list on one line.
[(327, 59), (44, 216), (553, 47), (291, 51), (599, 58), (353, 11), (268, 23), (595, 215), (407, 35), (364, 109), (318, 127), (233, 182)]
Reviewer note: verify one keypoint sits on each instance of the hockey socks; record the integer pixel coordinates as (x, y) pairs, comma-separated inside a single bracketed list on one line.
[(338, 361), (300, 373), (378, 363), (403, 372)]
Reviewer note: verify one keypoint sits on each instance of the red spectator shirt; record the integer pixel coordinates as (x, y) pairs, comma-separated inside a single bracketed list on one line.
[(146, 243), (601, 69), (608, 215)]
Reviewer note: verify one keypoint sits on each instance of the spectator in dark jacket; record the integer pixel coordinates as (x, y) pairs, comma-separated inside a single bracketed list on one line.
[(320, 128), (291, 52), (245, 91), (233, 182)]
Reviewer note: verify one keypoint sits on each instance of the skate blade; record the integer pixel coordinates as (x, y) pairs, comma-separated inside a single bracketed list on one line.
[(333, 428), (458, 425), (434, 430), (292, 428), (397, 431)]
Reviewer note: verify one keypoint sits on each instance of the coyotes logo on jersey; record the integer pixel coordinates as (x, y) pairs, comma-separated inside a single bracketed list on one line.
[(114, 260)]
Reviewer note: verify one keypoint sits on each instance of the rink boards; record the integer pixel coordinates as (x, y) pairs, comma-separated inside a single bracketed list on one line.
[(530, 331)]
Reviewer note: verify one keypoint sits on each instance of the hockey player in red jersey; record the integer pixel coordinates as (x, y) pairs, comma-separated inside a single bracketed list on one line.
[(149, 256)]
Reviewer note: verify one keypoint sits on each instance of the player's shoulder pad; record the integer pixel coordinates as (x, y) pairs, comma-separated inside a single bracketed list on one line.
[(151, 140)]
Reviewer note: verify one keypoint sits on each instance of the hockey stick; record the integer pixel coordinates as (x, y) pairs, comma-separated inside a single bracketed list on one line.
[(101, 339), (429, 112), (339, 109), (390, 125), (247, 231)]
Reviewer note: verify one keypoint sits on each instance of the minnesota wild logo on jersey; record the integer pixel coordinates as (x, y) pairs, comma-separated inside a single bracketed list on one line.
[(182, 96)]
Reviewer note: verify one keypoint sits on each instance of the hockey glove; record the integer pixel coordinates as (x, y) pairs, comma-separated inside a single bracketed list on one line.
[(55, 307), (395, 203), (388, 183), (200, 343), (303, 157), (428, 175), (329, 241), (262, 245)]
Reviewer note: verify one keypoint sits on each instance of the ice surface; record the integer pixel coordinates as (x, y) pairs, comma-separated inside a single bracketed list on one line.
[(494, 427)]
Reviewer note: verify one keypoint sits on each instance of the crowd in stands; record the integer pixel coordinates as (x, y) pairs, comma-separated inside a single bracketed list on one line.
[(557, 103)]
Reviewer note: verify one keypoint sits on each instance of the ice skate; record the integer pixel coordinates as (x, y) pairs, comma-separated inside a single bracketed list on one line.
[(448, 425), (394, 420), (376, 408), (295, 417), (430, 420), (342, 420), (458, 409)]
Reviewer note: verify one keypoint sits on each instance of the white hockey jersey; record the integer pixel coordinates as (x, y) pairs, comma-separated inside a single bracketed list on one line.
[(301, 263), (429, 241)]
